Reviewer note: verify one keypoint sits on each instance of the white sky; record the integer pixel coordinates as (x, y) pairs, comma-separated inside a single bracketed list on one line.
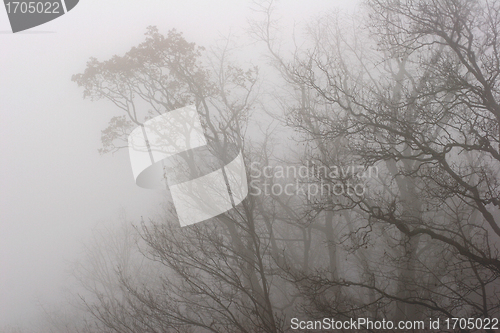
[(54, 186)]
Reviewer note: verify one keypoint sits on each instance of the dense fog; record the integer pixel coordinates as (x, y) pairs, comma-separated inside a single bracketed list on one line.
[(359, 144)]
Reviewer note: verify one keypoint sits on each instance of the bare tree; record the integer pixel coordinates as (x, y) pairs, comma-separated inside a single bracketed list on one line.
[(410, 88)]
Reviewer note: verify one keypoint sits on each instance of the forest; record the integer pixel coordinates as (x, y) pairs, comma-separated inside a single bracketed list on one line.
[(371, 142)]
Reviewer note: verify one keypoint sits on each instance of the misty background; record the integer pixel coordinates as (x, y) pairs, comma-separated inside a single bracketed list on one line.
[(55, 187)]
